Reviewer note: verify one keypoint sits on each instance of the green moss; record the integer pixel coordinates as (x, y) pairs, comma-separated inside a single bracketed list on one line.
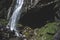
[(3, 22), (47, 32)]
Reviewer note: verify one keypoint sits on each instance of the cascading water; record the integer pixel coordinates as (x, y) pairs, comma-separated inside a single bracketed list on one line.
[(15, 16)]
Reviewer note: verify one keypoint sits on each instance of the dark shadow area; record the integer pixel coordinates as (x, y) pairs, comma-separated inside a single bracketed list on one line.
[(38, 16)]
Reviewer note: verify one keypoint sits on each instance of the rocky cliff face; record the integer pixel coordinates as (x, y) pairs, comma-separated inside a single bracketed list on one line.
[(28, 4), (33, 9), (4, 5), (35, 15)]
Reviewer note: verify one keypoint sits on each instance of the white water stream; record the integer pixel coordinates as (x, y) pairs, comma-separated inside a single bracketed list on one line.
[(15, 16)]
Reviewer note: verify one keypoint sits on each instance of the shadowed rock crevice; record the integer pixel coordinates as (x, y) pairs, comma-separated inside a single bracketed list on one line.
[(39, 16)]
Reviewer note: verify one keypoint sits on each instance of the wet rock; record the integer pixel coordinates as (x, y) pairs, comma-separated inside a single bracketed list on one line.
[(4, 6), (57, 36)]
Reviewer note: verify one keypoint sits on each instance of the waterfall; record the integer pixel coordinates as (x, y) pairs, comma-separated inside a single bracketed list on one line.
[(15, 16)]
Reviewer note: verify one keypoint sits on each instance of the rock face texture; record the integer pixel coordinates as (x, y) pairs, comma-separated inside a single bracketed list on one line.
[(4, 6), (34, 14), (57, 36), (28, 5)]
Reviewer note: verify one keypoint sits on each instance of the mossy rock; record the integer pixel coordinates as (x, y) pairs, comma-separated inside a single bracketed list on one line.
[(47, 32), (3, 22), (44, 33)]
